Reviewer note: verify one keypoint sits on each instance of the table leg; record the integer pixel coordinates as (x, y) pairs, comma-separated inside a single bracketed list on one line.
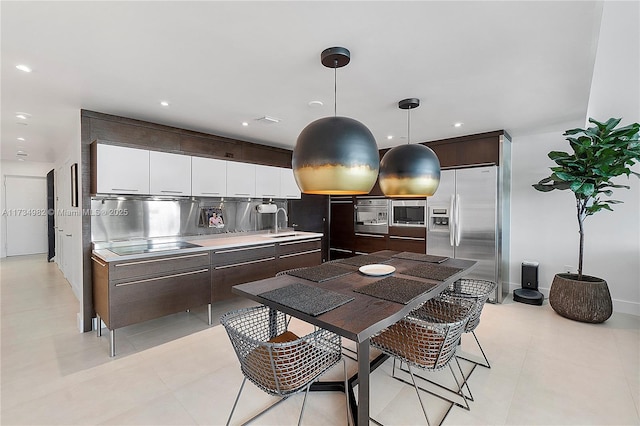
[(363, 382)]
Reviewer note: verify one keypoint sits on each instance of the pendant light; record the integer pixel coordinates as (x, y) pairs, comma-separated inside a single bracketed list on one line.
[(335, 155), (409, 171)]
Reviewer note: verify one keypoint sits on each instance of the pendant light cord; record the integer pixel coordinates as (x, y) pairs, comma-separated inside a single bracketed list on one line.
[(409, 126), (335, 87)]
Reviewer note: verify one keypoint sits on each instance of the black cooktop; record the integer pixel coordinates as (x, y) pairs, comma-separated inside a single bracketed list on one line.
[(151, 247)]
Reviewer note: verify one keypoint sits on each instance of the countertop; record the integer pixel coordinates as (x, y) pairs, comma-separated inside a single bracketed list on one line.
[(204, 243)]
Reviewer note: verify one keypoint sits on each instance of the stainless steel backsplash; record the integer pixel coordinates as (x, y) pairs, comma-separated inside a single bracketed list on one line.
[(141, 218)]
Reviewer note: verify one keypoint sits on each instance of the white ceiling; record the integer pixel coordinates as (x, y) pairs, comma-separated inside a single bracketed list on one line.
[(507, 65)]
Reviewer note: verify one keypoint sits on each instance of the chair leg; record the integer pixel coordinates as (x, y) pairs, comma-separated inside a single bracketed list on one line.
[(486, 360), (460, 391), (236, 401), (346, 393), (413, 379), (464, 380), (304, 401)]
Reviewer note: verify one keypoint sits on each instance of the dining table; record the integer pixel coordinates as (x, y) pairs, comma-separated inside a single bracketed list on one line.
[(358, 305)]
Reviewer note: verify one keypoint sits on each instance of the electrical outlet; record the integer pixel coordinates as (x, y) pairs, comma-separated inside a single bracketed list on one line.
[(568, 269)]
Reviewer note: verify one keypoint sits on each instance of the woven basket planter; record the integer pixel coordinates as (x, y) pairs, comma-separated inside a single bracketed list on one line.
[(587, 300)]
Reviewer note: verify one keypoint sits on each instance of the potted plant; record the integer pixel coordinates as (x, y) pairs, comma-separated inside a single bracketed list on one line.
[(600, 154)]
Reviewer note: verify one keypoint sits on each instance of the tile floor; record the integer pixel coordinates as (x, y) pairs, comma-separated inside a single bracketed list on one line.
[(178, 371)]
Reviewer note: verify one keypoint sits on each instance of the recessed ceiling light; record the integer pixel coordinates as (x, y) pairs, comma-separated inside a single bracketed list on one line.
[(458, 124), (22, 115), (164, 103), (390, 137), (23, 67), (315, 104), (245, 124), (21, 139)]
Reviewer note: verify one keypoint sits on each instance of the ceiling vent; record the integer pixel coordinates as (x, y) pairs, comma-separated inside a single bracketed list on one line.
[(268, 120)]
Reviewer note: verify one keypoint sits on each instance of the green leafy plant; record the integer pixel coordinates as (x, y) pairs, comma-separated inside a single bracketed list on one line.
[(600, 154)]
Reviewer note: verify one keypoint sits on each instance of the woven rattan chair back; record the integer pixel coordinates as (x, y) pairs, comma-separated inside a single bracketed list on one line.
[(268, 357), (427, 337), (477, 291), (275, 359)]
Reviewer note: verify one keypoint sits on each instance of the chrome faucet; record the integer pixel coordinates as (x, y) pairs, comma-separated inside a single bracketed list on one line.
[(275, 219)]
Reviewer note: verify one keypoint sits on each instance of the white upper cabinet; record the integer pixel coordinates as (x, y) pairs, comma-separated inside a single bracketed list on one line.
[(169, 174), (268, 182), (241, 179), (288, 186), (121, 170), (208, 177)]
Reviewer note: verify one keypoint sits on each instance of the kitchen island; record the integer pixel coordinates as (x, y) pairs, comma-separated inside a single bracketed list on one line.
[(153, 278)]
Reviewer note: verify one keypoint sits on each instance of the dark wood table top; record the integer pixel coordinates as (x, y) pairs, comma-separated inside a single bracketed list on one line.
[(364, 316)]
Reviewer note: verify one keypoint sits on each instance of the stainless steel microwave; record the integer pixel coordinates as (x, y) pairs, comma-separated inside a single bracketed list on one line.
[(408, 213)]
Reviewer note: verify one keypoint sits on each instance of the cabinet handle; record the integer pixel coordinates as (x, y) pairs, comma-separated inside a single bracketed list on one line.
[(68, 235), (369, 235), (341, 202), (171, 192), (299, 242), (212, 193), (161, 260), (125, 189), (267, 195), (98, 262), (243, 249), (395, 237), (244, 195), (163, 277), (340, 250), (299, 254), (245, 263)]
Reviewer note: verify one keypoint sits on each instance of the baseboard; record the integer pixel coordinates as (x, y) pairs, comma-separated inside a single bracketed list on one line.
[(621, 306)]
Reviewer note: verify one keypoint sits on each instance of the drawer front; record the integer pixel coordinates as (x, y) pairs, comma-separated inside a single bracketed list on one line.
[(412, 244), (300, 260), (368, 243), (240, 255), (157, 265), (408, 231), (290, 247), (141, 300), (226, 276)]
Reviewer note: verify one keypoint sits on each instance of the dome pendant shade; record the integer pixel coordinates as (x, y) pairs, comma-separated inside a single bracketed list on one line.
[(409, 171), (335, 156)]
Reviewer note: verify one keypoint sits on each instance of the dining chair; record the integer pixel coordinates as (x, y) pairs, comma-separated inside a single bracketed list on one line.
[(478, 292), (275, 359), (427, 339)]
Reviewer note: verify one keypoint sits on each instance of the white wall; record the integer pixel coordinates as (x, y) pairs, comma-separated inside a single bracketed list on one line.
[(544, 225), (16, 168)]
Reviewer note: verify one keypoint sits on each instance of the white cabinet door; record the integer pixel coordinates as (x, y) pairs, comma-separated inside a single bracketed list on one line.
[(268, 182), (208, 177), (288, 186), (169, 174), (241, 179), (121, 170)]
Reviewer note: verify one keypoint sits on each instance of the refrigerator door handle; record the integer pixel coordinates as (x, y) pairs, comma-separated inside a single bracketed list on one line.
[(452, 219), (458, 221)]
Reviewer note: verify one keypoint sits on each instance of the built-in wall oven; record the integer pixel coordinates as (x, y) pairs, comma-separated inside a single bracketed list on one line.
[(408, 212), (371, 215)]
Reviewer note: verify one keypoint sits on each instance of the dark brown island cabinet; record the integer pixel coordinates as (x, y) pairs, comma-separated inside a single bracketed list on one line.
[(127, 292)]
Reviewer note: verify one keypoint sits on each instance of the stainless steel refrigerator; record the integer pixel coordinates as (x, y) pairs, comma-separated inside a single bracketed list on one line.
[(468, 218)]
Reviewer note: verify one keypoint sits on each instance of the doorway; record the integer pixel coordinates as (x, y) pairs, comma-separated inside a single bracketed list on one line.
[(26, 215)]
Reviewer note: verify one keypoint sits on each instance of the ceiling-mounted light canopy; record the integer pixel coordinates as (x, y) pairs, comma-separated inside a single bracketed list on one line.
[(335, 155), (409, 171)]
